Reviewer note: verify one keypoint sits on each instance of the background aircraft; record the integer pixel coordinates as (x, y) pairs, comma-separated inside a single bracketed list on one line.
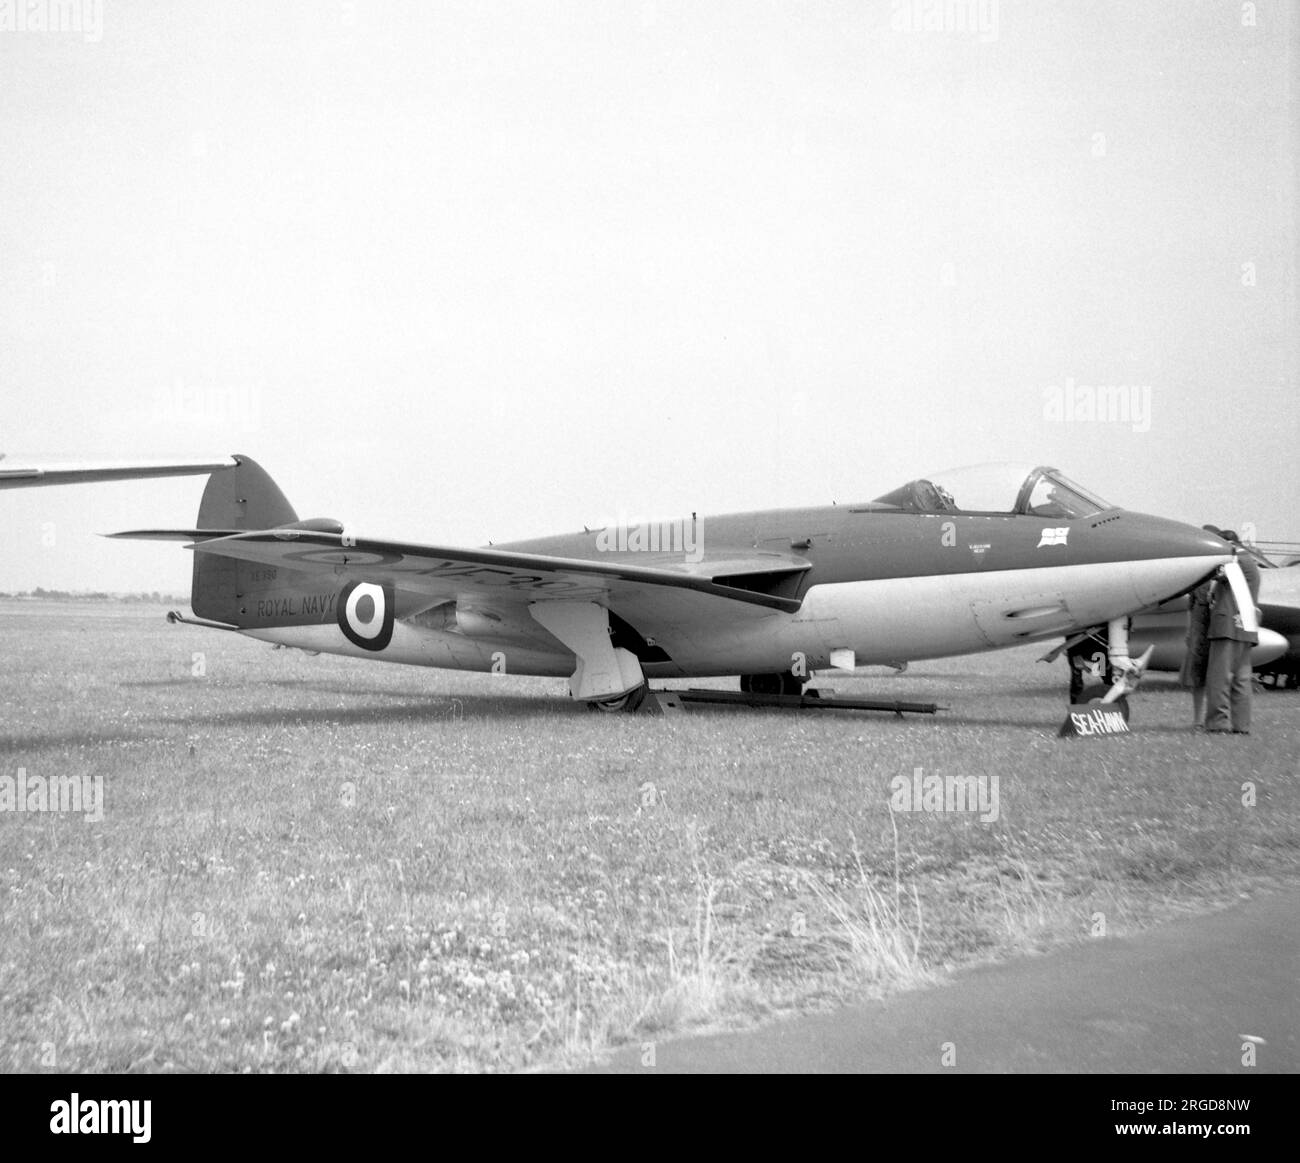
[(18, 476), (974, 559), (1277, 657)]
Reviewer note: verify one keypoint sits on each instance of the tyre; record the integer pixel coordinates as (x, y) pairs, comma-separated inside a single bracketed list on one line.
[(629, 702)]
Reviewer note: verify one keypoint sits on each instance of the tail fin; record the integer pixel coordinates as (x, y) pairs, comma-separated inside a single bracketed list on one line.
[(244, 498)]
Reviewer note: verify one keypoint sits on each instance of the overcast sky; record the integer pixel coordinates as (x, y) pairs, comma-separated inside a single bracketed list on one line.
[(468, 271)]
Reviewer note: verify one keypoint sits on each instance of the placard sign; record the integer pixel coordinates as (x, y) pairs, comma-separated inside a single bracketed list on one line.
[(1087, 720)]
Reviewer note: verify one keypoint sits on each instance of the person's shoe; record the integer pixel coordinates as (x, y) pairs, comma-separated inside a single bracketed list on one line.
[(1217, 731), (1236, 732)]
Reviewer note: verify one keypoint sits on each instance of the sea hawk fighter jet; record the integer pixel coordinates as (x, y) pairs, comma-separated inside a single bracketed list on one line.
[(974, 559)]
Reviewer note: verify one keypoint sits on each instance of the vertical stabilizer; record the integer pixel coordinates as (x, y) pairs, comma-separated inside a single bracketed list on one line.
[(245, 498)]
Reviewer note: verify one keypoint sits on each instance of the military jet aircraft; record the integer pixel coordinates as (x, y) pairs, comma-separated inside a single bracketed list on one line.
[(974, 559)]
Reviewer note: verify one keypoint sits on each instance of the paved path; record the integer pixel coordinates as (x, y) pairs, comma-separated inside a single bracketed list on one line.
[(1175, 999)]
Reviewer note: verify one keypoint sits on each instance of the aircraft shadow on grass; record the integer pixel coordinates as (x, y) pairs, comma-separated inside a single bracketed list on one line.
[(85, 737), (447, 709), (310, 686), (452, 710)]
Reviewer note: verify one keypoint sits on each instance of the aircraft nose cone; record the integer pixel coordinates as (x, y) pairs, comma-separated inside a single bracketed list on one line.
[(1148, 537), (1165, 557)]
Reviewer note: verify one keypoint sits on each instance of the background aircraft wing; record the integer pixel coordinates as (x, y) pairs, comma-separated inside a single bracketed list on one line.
[(16, 476)]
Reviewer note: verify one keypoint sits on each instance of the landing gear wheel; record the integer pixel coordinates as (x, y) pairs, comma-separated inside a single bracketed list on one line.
[(785, 683), (629, 702), (1094, 694)]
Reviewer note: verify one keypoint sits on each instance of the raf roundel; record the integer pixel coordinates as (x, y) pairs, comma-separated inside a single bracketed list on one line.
[(366, 614)]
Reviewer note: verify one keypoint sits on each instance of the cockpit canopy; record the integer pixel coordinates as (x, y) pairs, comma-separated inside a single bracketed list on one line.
[(996, 489)]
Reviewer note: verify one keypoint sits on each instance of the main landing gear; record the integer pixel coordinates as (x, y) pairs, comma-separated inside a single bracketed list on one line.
[(629, 702), (786, 683)]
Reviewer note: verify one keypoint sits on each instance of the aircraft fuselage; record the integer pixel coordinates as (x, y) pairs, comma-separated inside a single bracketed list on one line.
[(890, 586)]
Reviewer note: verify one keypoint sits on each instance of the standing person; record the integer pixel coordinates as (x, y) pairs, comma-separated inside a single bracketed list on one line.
[(1197, 655), (1228, 677)]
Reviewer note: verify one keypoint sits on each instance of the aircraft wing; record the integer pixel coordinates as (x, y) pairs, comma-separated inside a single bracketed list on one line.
[(1280, 588), (13, 476), (762, 582)]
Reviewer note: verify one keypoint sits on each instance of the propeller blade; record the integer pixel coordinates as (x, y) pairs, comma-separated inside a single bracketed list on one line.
[(1241, 592)]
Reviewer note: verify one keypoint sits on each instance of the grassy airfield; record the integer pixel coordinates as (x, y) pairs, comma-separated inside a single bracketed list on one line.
[(311, 864)]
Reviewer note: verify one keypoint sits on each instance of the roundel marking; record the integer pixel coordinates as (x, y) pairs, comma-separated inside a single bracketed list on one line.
[(344, 557), (365, 613)]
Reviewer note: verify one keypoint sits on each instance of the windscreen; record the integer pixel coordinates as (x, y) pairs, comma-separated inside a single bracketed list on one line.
[(1056, 496)]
